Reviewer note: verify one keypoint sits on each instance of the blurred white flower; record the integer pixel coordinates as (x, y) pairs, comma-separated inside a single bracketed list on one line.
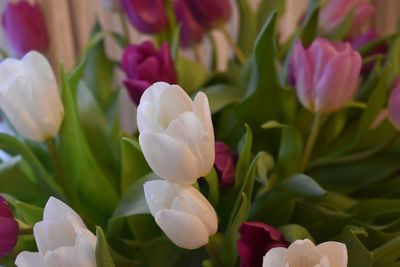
[(29, 96), (62, 240), (182, 212), (303, 253), (176, 133)]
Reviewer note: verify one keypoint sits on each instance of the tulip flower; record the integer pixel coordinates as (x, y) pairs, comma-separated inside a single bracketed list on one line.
[(191, 32), (29, 96), (394, 105), (303, 253), (210, 13), (148, 16), (326, 75), (224, 164), (256, 239), (8, 229), (145, 65), (335, 11), (182, 212), (25, 27), (62, 239), (176, 133)]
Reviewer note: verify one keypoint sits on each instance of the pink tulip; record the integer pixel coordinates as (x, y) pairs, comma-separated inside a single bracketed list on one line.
[(326, 74), (8, 228), (394, 105), (225, 162), (335, 11)]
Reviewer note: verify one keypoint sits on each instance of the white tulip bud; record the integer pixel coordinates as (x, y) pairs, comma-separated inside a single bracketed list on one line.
[(29, 96), (303, 253), (62, 240), (182, 212), (176, 133)]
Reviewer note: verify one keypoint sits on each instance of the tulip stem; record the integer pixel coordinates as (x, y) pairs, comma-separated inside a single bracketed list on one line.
[(238, 52), (312, 138), (56, 161), (25, 231)]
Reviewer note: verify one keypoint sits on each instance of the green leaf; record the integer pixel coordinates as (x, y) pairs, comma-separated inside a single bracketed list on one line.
[(161, 252), (91, 189), (248, 26), (213, 185), (389, 251), (103, 258), (358, 254), (244, 158), (222, 95), (293, 232), (191, 74), (267, 8), (30, 214)]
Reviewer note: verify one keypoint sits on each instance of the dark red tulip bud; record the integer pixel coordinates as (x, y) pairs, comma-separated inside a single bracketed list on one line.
[(224, 164), (210, 13), (8, 228)]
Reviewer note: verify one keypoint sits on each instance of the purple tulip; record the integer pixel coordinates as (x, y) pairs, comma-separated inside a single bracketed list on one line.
[(8, 228), (147, 16), (335, 11), (394, 105), (256, 239), (25, 27), (210, 13), (145, 65), (326, 74), (191, 32), (224, 164)]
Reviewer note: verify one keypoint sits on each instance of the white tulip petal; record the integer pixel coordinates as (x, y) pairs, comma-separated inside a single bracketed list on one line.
[(275, 257), (61, 257), (152, 94), (336, 253), (146, 118), (202, 109), (29, 259), (168, 158), (55, 209), (84, 249), (185, 230), (324, 262), (38, 66), (303, 253), (160, 194), (10, 68)]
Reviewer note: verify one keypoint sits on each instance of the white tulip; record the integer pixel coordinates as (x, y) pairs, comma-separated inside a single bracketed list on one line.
[(182, 212), (176, 133), (29, 96), (62, 240), (303, 253)]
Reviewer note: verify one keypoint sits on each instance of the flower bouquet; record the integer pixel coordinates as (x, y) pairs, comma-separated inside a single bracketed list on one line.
[(289, 157)]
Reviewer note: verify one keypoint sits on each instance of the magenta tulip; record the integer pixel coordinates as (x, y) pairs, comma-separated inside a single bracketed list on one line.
[(145, 65), (191, 32), (148, 16), (224, 164), (256, 239), (25, 27), (394, 105), (210, 13), (8, 228), (326, 74)]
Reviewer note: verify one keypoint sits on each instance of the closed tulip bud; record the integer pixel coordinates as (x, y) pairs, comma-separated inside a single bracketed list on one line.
[(61, 238), (394, 105), (191, 32), (145, 65), (326, 75), (148, 16), (8, 229), (304, 253), (210, 13), (25, 27), (176, 133), (335, 11), (182, 212), (29, 96), (256, 239), (225, 162)]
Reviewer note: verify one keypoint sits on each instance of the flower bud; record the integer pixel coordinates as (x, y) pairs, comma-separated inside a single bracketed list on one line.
[(305, 253), (176, 133), (326, 75), (25, 27), (146, 16), (394, 105), (224, 164), (62, 239), (29, 96), (191, 32), (145, 65), (335, 11), (210, 13), (256, 239), (182, 212), (8, 229)]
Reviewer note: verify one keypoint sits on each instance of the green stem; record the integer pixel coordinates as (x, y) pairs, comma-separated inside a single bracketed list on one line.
[(312, 138), (25, 231), (238, 52), (124, 26), (357, 156), (57, 164), (214, 51)]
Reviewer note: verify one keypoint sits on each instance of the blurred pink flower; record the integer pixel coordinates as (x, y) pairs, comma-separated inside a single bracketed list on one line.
[(394, 105), (210, 13), (224, 164), (8, 228)]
